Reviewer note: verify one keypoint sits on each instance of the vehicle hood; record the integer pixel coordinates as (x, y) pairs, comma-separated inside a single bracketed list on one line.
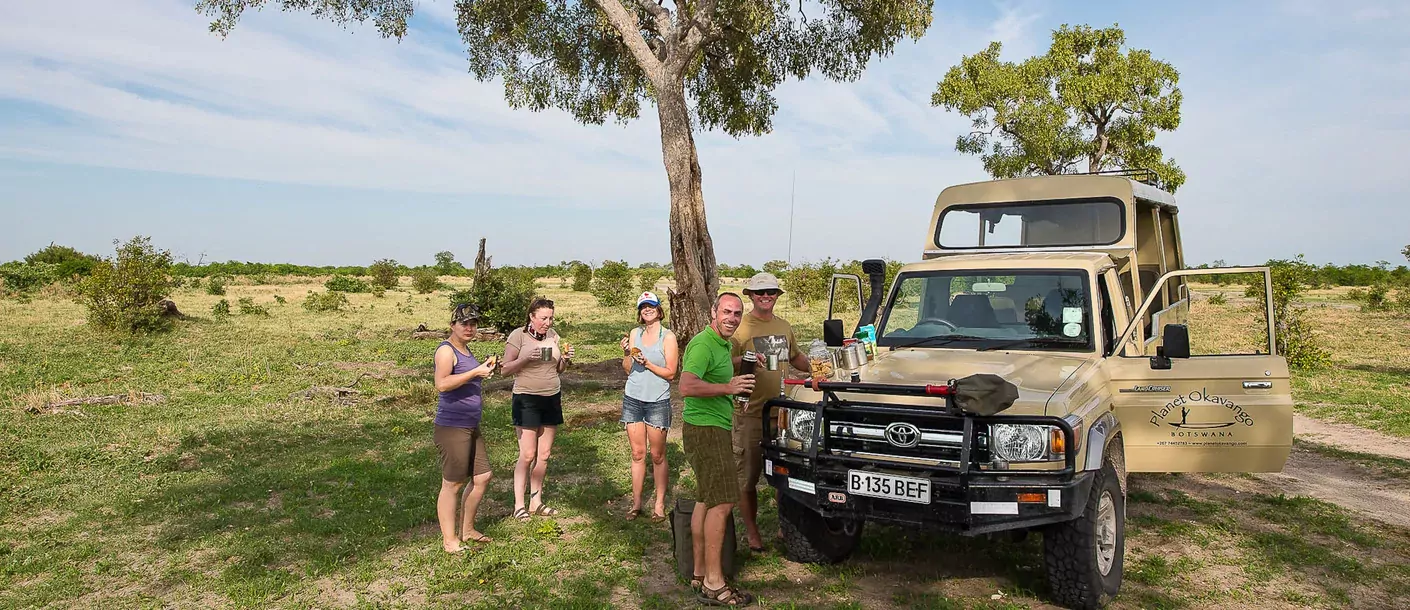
[(1037, 375)]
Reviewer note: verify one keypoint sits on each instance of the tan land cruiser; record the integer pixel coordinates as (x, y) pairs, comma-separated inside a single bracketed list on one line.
[(1073, 290)]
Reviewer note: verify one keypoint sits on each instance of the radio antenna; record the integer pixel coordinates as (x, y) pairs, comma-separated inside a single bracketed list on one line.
[(793, 190)]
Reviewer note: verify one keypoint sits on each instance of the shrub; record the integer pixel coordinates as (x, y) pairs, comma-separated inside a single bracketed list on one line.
[(502, 297), (808, 283), (649, 277), (1375, 298), (1218, 299), (345, 283), (195, 283), (776, 267), (612, 284), (221, 308), (446, 265), (259, 279), (67, 261), (378, 293), (279, 299), (125, 294), (216, 285), (582, 278), (325, 301), (1295, 339), (248, 307), (27, 277), (384, 274), (425, 281)]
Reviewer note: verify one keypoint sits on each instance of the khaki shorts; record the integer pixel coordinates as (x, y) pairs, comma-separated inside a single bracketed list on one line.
[(748, 456), (708, 450), (462, 453)]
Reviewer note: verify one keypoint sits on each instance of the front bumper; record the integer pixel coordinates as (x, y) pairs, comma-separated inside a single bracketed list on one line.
[(966, 495)]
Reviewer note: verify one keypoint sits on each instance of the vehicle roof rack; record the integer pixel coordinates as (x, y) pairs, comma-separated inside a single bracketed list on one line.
[(1139, 174)]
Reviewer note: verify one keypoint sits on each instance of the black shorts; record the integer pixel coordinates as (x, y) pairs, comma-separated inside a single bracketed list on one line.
[(534, 411)]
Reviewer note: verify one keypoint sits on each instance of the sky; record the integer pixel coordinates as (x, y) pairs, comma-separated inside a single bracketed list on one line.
[(295, 140)]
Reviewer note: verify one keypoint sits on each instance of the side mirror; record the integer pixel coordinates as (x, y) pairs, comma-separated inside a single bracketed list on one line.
[(832, 332), (1177, 341)]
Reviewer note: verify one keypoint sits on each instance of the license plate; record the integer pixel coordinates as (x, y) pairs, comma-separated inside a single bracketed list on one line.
[(891, 487)]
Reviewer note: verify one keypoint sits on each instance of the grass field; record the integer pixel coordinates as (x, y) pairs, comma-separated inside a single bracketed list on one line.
[(245, 485)]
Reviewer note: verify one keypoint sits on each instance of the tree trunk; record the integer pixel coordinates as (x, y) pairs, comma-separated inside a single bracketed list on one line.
[(482, 263), (692, 252)]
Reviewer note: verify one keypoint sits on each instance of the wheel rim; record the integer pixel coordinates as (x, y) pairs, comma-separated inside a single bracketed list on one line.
[(1106, 533)]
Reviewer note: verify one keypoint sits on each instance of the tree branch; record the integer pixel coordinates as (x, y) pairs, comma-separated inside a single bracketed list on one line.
[(660, 14), (630, 30), (700, 29)]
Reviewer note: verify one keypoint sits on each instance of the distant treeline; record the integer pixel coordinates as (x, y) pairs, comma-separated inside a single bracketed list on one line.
[(1323, 276)]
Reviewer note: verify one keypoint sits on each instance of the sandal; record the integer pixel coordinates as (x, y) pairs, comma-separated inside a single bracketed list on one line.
[(545, 510), (658, 517), (725, 596), (521, 514), (696, 582), (482, 539), (633, 514)]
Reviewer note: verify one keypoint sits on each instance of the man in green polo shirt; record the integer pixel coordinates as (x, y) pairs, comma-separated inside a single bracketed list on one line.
[(709, 385)]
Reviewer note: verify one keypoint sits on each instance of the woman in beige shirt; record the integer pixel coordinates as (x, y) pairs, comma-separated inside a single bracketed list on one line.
[(536, 357)]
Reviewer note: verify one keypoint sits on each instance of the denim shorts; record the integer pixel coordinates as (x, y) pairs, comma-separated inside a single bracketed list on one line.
[(655, 414)]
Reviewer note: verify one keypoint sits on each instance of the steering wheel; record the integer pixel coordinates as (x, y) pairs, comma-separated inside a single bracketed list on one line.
[(940, 320)]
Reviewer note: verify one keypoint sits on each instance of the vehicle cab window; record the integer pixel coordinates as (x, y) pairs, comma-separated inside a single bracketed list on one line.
[(1015, 309)]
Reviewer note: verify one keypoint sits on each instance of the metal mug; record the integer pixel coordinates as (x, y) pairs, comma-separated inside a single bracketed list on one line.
[(771, 361), (847, 359), (546, 353)]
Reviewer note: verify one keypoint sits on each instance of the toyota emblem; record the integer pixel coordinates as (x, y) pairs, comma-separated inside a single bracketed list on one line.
[(902, 434)]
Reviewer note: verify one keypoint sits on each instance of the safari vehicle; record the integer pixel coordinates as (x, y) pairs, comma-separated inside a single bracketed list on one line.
[(1072, 290)]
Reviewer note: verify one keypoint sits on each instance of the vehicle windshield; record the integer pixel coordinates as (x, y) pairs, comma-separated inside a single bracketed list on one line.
[(1091, 222), (1018, 309)]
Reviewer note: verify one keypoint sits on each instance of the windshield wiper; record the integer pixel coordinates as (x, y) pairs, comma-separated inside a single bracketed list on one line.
[(938, 341), (1033, 341)]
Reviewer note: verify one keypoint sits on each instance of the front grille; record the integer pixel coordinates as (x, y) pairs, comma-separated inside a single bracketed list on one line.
[(938, 446)]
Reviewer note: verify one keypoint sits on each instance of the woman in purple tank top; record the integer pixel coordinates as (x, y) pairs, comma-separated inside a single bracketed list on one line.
[(459, 444)]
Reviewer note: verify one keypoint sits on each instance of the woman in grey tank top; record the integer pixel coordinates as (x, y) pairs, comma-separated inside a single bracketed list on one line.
[(649, 357)]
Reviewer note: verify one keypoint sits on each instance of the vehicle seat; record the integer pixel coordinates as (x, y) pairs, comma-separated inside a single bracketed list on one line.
[(973, 311), (1004, 310)]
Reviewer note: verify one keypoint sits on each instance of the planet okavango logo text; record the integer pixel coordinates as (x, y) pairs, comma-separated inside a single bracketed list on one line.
[(1230, 416)]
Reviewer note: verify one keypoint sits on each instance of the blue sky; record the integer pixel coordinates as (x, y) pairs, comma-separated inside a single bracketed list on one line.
[(296, 141)]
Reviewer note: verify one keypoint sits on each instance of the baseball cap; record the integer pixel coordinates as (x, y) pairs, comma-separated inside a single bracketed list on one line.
[(465, 312), (762, 281), (647, 298)]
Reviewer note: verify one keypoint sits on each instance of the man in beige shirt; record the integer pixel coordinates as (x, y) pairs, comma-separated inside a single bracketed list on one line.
[(764, 334)]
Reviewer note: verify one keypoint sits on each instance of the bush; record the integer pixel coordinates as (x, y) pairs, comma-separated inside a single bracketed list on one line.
[(1218, 299), (582, 278), (612, 284), (27, 277), (278, 299), (221, 308), (425, 281), (345, 283), (325, 301), (248, 307), (1375, 298), (384, 274), (195, 283), (808, 283), (776, 267), (125, 294), (67, 261), (216, 285), (649, 277), (1295, 339), (502, 297)]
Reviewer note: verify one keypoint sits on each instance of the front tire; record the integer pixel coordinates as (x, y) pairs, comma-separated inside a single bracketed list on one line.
[(1084, 557), (810, 538)]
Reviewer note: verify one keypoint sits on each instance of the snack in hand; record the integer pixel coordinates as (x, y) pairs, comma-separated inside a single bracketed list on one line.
[(636, 352)]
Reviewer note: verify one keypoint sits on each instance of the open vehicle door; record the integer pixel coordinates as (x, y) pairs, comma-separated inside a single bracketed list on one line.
[(837, 326), (1226, 412)]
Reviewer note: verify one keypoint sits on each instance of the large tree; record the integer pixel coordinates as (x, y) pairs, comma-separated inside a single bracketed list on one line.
[(1084, 100), (714, 63)]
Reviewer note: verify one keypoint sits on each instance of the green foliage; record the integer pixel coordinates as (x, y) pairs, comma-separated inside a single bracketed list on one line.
[(736, 271), (249, 308), (68, 261), (221, 308), (1406, 252), (1084, 100), (124, 294), (649, 277), (325, 301), (346, 283), (279, 299), (502, 297), (808, 283), (385, 274), (775, 267), (1295, 338), (425, 281), (855, 268), (446, 265), (612, 284), (195, 283), (582, 278), (1218, 299), (215, 286), (27, 277)]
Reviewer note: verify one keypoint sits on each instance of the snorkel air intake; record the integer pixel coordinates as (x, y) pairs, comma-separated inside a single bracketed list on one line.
[(875, 269)]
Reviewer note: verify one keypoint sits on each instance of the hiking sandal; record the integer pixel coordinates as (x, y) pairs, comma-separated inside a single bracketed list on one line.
[(546, 510), (725, 596), (522, 514)]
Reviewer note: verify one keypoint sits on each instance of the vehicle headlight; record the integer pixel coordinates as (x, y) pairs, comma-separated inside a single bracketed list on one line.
[(1021, 442), (801, 425)]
